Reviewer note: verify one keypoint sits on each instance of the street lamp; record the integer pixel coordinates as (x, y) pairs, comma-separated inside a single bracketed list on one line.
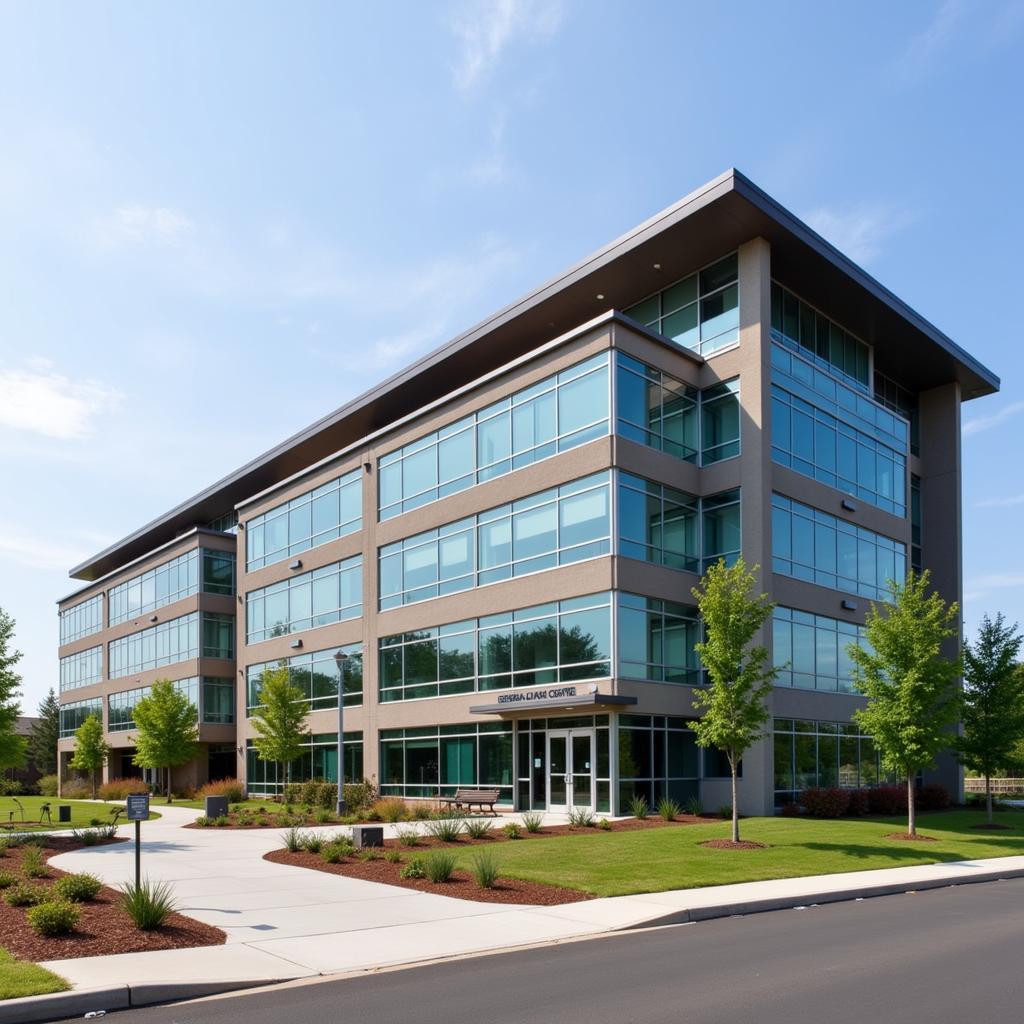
[(342, 660)]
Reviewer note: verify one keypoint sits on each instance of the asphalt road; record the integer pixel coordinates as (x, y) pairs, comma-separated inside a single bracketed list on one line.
[(947, 955)]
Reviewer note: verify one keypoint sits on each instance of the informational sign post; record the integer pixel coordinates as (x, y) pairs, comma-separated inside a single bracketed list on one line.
[(137, 810)]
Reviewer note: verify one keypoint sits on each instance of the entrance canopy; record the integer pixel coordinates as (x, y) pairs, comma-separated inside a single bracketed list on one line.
[(563, 697)]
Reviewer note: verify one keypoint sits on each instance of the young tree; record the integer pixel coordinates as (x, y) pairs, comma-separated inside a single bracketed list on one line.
[(12, 746), (993, 702), (168, 729), (280, 721), (910, 684), (91, 750), (740, 675), (42, 741)]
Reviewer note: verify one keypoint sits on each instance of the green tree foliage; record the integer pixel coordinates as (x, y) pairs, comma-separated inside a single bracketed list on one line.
[(280, 721), (168, 729), (91, 750), (740, 675), (993, 701), (12, 746), (910, 683), (42, 741)]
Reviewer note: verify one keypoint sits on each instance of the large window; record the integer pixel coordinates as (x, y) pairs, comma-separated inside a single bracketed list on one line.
[(213, 571), (81, 620), (700, 312), (801, 327), (556, 527), (554, 415), (81, 669), (656, 640), (812, 545), (325, 513), (318, 760), (333, 593), (213, 699), (74, 714), (173, 641), (897, 398), (810, 651), (316, 675), (658, 757), (434, 761), (564, 641), (829, 754)]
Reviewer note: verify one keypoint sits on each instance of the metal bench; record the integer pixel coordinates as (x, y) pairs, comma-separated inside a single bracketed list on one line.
[(466, 798)]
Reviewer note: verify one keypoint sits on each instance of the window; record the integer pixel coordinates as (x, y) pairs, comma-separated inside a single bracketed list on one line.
[(897, 398), (915, 523), (173, 641), (720, 422), (812, 545), (658, 524), (799, 326), (720, 528), (333, 593), (700, 312), (316, 675), (217, 702), (656, 640), (319, 760), (73, 715), (556, 414), (81, 620), (226, 523), (531, 741), (810, 651), (555, 527), (330, 511), (81, 669), (658, 757), (564, 641)]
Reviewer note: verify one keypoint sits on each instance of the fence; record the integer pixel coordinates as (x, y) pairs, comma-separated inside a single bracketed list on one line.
[(998, 785)]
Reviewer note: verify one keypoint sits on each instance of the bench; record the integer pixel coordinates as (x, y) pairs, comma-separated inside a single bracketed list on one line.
[(466, 798)]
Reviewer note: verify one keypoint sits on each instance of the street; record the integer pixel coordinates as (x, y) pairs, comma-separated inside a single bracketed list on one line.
[(948, 955)]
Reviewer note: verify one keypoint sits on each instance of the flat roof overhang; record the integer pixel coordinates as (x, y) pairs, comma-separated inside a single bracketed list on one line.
[(527, 708), (717, 217)]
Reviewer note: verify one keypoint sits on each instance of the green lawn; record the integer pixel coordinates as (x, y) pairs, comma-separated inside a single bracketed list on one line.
[(82, 813), (20, 978), (620, 863)]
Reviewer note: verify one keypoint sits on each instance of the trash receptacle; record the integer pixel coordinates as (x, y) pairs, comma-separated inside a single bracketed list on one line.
[(216, 806), (64, 812)]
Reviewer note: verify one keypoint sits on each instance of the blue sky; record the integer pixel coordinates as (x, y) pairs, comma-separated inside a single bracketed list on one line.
[(222, 221)]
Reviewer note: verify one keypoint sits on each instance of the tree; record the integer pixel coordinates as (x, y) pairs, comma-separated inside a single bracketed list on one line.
[(280, 721), (740, 676), (993, 702), (910, 684), (168, 729), (91, 750), (42, 741), (12, 746)]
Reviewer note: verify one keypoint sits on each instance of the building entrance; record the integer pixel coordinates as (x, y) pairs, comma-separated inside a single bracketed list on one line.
[(570, 769)]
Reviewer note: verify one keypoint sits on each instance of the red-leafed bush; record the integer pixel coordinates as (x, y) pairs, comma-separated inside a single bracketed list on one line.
[(932, 798), (859, 803), (789, 810), (825, 803), (887, 800)]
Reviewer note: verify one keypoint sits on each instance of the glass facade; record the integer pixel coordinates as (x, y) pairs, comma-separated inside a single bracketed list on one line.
[(655, 640), (190, 636), (658, 757), (435, 760), (330, 511), (810, 651), (554, 415), (915, 523), (700, 312), (564, 641), (555, 527), (897, 398), (81, 669), (829, 432), (532, 759), (212, 571), (74, 714), (827, 754), (799, 326), (226, 523), (316, 675), (812, 545), (213, 698), (319, 760), (81, 620), (332, 593)]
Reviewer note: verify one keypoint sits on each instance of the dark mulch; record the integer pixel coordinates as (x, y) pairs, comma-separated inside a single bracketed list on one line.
[(728, 844), (908, 838), (102, 929), (462, 886), (994, 826)]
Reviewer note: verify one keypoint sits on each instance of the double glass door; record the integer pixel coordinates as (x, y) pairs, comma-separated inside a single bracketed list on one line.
[(570, 769)]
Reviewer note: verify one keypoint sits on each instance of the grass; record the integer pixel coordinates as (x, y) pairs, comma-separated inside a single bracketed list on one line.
[(82, 813), (20, 978), (654, 860)]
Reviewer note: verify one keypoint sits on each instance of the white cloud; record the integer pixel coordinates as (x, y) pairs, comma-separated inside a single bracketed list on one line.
[(136, 224), (938, 34), (43, 552), (981, 423), (485, 28), (859, 230), (979, 586), (41, 401), (1010, 502)]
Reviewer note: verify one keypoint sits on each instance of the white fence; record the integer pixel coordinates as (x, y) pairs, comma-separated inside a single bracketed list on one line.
[(998, 785)]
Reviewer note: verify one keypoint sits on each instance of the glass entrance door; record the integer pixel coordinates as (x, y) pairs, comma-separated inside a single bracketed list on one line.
[(570, 769)]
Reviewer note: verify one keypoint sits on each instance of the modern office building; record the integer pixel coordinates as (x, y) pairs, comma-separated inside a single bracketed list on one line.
[(495, 549)]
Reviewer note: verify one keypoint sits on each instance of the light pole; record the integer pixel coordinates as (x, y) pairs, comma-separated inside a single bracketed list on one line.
[(342, 659)]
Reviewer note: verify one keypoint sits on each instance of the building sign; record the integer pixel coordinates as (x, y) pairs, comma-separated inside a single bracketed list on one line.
[(556, 693)]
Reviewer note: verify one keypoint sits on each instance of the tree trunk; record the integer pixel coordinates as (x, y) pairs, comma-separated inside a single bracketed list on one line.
[(168, 783), (735, 806), (988, 797), (94, 783), (911, 822)]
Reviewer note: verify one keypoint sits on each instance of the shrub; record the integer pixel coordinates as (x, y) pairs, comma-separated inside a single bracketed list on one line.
[(408, 836), (336, 851), (512, 830), (416, 868), (11, 787), (118, 789), (532, 821), (293, 839), (581, 817), (76, 789), (932, 797), (221, 820), (95, 822), (32, 863), (391, 809), (86, 836), (478, 828), (638, 806), (57, 918), (6, 879), (725, 812), (790, 810), (859, 803), (313, 842), (485, 869), (393, 856), (820, 802), (203, 821), (369, 853), (440, 866), (47, 785), (21, 894), (423, 812), (77, 888), (447, 829), (360, 795), (668, 808), (231, 788), (148, 904), (887, 801), (322, 816), (604, 825), (694, 806)]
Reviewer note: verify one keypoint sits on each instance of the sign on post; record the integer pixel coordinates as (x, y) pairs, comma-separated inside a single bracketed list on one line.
[(136, 808)]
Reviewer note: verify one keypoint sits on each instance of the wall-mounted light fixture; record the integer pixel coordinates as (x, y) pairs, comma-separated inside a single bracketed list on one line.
[(296, 643), (848, 505), (849, 606), (368, 467), (297, 564)]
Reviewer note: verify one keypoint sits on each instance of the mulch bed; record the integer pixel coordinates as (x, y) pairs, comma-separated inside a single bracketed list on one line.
[(728, 844), (908, 838), (102, 929)]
